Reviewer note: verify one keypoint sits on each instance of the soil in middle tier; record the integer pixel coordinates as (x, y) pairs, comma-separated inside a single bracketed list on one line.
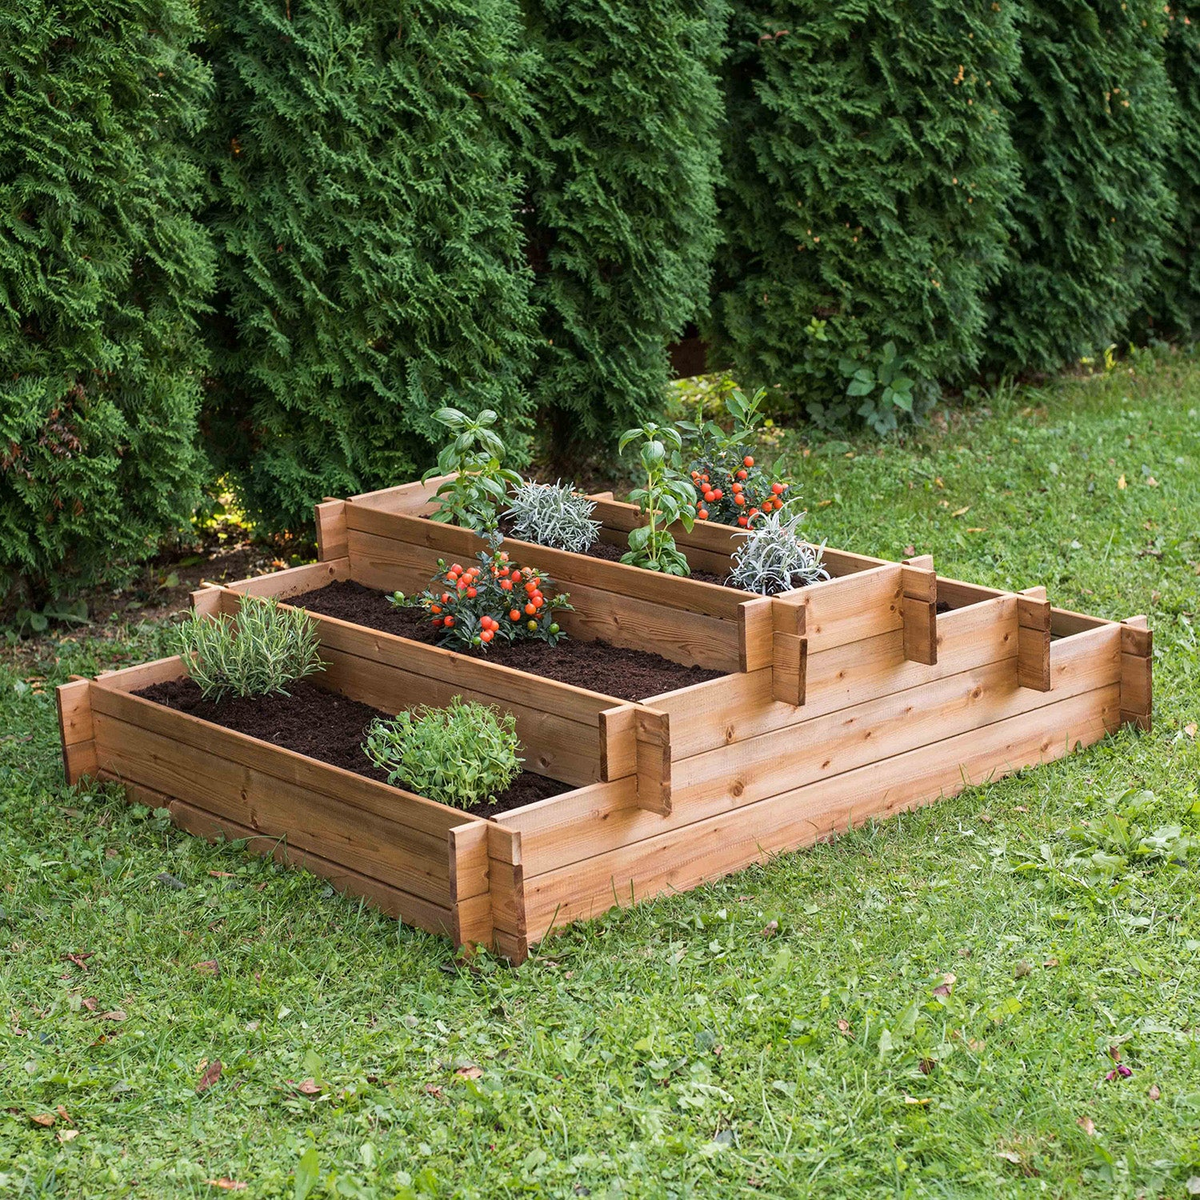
[(598, 666), (325, 726)]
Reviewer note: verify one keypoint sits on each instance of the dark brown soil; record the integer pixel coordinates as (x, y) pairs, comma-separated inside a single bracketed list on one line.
[(325, 726), (597, 666)]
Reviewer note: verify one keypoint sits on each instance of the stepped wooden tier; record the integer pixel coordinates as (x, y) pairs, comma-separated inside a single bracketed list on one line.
[(885, 687)]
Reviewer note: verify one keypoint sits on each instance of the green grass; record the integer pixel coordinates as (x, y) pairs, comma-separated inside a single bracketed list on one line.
[(672, 1050)]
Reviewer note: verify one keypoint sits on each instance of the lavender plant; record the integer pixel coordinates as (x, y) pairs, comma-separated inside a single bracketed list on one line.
[(258, 654), (774, 558), (553, 514)]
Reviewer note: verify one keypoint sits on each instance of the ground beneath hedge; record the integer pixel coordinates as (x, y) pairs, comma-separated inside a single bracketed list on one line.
[(931, 1007)]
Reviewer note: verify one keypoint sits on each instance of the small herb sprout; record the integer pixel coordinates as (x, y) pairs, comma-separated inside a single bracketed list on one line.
[(667, 497), (553, 514), (774, 558), (462, 755), (480, 487), (258, 654)]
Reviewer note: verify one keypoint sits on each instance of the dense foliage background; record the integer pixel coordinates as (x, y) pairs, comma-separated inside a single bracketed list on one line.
[(312, 222)]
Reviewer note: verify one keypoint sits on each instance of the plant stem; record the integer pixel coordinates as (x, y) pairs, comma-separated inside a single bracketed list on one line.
[(652, 541)]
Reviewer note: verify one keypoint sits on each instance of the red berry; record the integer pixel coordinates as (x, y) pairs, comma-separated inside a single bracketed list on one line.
[(717, 494), (743, 521), (486, 635), (743, 474), (748, 461), (448, 621), (777, 488), (514, 614), (703, 514)]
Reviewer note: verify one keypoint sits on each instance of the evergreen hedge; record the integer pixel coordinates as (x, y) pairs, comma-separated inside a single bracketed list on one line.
[(1093, 124), (868, 167), (1172, 309), (371, 265), (621, 156), (102, 272)]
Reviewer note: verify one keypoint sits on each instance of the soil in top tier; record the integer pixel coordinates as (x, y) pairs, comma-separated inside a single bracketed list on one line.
[(324, 726), (597, 666)]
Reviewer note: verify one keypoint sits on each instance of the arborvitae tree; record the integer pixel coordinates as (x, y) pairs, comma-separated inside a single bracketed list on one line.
[(102, 273), (1172, 308), (1092, 125), (868, 165), (370, 252), (621, 158)]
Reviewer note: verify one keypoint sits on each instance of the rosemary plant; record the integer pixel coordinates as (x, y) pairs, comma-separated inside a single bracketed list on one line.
[(463, 755), (258, 654), (774, 558), (553, 514)]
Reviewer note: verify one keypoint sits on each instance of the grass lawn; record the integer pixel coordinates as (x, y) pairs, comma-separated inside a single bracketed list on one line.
[(690, 1046)]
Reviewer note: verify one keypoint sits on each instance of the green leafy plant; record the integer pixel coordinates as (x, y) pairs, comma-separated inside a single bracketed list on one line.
[(31, 621), (481, 483), (497, 600), (668, 496), (883, 388), (774, 558), (553, 514), (731, 488), (462, 755), (266, 648)]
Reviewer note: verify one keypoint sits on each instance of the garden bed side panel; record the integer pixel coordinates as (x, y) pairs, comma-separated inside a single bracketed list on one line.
[(684, 857)]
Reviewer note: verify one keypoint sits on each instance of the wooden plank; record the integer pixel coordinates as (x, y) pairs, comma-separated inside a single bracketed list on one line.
[(331, 530), (388, 850), (470, 890), (1064, 622), (721, 540), (755, 634), (618, 742), (682, 858), (653, 733), (293, 580), (789, 652), (206, 600), (506, 883), (412, 910), (132, 679), (1033, 639), (688, 638), (918, 609), (416, 812), (849, 609), (957, 594), (691, 595), (818, 748), (412, 497), (1137, 673)]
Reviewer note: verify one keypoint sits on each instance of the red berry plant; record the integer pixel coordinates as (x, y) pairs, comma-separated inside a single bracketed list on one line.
[(730, 487), (494, 600)]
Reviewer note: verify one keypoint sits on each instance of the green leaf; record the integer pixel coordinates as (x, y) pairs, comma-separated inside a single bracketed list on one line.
[(307, 1173), (859, 388), (638, 537), (630, 435), (652, 454)]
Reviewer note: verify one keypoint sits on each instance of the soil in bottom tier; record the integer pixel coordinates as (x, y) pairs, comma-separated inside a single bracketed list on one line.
[(597, 666), (324, 726)]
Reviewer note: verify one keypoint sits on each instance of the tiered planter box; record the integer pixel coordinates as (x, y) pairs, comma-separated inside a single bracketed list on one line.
[(850, 699)]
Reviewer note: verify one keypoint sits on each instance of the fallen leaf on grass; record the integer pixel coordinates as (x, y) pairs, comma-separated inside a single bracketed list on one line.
[(1190, 729), (226, 1185), (432, 1089), (1087, 1125), (45, 1120), (471, 1071), (208, 967), (770, 929), (844, 1027), (223, 875), (1193, 1185), (66, 1116), (67, 1135), (913, 1100), (1022, 969), (115, 1014), (209, 1077), (89, 1002), (958, 512), (306, 1087), (1121, 485), (910, 551), (79, 958), (1154, 1093), (947, 985)]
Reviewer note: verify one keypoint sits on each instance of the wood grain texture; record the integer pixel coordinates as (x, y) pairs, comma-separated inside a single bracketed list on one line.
[(331, 529), (1033, 639), (291, 581), (470, 887), (918, 610), (1137, 673)]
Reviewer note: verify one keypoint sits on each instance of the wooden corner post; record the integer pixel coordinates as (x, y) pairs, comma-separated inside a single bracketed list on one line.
[(1033, 639), (636, 740), (75, 726), (918, 609), (789, 650), (1137, 672), (332, 538)]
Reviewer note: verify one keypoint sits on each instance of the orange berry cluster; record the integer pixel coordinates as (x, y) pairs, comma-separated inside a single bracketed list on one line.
[(475, 605), (735, 492)]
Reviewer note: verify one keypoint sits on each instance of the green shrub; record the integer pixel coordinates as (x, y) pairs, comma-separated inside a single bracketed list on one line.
[(553, 515), (774, 558), (258, 654), (463, 755), (371, 261), (102, 272), (868, 166), (1093, 129), (621, 157), (1172, 308)]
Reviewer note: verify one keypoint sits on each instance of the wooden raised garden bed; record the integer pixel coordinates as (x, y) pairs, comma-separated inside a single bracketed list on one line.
[(883, 688)]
